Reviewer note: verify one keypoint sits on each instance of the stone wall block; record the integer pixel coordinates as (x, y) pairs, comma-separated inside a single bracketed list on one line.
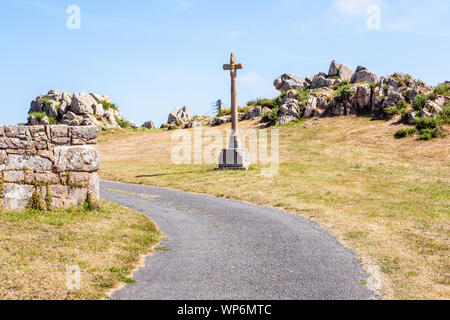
[(33, 163), (79, 158)]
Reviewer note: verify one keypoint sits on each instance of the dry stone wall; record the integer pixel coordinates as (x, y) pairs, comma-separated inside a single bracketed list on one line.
[(48, 167)]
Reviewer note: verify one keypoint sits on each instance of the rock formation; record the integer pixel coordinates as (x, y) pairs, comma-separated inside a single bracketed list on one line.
[(149, 125), (342, 92), (178, 118)]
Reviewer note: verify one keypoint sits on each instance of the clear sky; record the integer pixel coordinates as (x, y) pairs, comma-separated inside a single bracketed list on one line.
[(151, 56)]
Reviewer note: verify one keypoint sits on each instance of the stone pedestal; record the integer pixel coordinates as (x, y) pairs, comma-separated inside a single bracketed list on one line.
[(235, 157)]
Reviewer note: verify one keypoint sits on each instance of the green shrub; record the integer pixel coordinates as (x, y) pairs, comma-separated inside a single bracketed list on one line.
[(223, 112), (428, 134), (419, 102), (122, 123), (48, 198), (90, 204), (426, 123), (273, 115), (303, 95), (444, 115), (402, 133), (37, 115), (35, 201), (443, 89), (343, 92), (108, 105), (47, 100), (391, 110), (253, 102), (52, 120)]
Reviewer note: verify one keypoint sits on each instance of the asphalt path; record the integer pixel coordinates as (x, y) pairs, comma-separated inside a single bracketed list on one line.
[(225, 249)]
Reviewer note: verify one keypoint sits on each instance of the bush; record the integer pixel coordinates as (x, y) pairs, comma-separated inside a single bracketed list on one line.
[(419, 102), (52, 120), (444, 115), (108, 105), (273, 115), (223, 112), (405, 133), (428, 134), (253, 102), (391, 110), (122, 123), (343, 92), (426, 123), (89, 204), (47, 100), (35, 202), (303, 95), (37, 115)]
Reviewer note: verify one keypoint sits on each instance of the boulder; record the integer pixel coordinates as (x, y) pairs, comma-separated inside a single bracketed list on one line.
[(178, 116), (345, 73), (82, 103), (440, 101), (221, 120), (363, 97), (98, 110), (132, 124), (321, 81), (411, 93), (265, 112), (431, 109), (392, 99), (149, 125), (289, 81), (334, 69), (363, 75), (289, 111), (253, 113), (340, 70)]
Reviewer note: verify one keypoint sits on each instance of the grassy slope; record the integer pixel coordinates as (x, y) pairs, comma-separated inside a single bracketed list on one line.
[(36, 249), (387, 199)]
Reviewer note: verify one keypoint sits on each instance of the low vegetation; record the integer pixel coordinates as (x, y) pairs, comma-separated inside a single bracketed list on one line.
[(428, 128), (105, 243), (124, 124), (108, 105), (36, 115), (343, 91)]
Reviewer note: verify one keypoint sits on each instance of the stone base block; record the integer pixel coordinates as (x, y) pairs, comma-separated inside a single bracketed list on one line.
[(234, 159)]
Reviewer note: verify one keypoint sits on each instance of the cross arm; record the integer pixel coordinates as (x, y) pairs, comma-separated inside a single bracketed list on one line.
[(233, 66)]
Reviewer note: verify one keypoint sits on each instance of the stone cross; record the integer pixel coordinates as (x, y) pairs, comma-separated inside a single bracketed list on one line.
[(235, 157), (233, 67)]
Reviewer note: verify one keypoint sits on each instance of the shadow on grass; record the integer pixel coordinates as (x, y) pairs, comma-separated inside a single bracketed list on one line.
[(172, 173)]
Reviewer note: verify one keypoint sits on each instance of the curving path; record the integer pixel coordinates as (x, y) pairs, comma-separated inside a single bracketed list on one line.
[(224, 249)]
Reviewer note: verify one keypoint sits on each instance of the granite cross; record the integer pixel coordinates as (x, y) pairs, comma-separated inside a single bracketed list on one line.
[(233, 67)]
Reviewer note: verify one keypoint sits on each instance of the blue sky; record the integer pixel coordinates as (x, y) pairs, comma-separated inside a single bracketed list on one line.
[(151, 56)]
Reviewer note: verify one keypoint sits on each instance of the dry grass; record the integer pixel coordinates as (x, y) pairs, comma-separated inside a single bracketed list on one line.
[(37, 248), (387, 199)]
